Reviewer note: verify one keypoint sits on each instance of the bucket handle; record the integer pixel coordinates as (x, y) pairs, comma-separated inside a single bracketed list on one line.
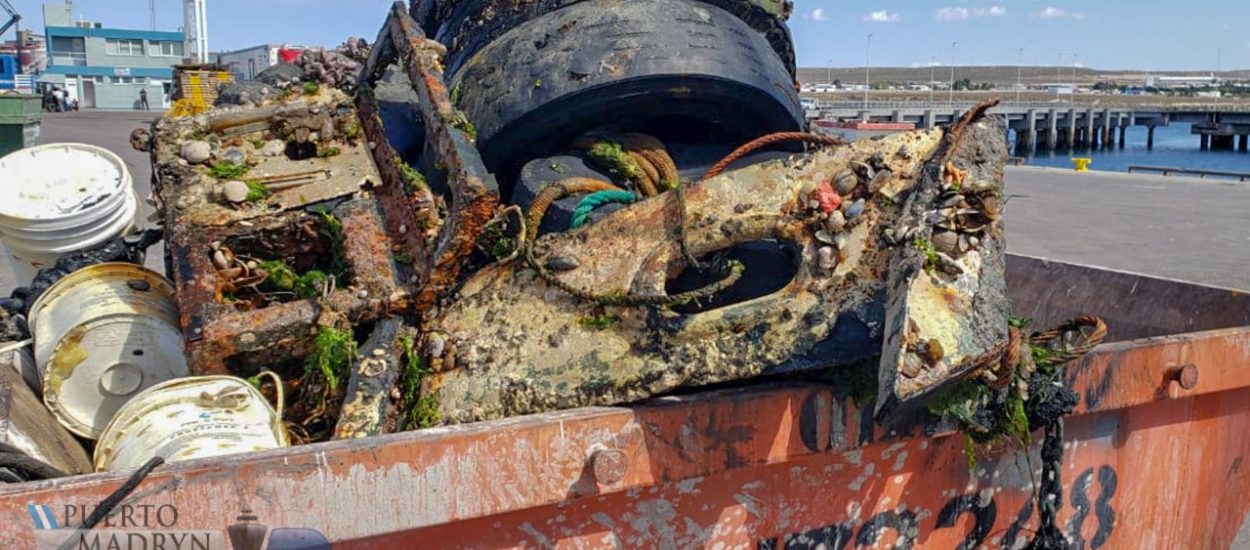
[(279, 395)]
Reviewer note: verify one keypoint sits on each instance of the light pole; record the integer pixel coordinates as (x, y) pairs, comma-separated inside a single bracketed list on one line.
[(829, 80), (1219, 61), (867, 70), (1019, 73), (1074, 65), (951, 95), (932, 79), (1058, 75)]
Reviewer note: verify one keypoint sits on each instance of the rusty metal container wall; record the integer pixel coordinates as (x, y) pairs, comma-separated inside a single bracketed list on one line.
[(1150, 462)]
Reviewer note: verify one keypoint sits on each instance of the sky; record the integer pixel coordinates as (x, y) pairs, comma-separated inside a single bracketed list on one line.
[(1104, 34)]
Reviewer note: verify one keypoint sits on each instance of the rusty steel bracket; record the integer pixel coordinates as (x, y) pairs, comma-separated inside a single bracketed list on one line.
[(474, 191)]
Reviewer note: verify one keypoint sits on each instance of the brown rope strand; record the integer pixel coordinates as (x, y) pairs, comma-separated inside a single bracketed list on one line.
[(767, 141)]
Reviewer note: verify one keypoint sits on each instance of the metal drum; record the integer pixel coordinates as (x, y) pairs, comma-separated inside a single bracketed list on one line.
[(191, 418), (102, 335)]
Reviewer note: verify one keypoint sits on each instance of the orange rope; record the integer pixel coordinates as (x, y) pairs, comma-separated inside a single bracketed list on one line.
[(769, 140), (557, 191)]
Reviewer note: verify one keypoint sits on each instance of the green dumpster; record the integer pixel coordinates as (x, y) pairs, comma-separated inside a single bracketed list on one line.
[(20, 117)]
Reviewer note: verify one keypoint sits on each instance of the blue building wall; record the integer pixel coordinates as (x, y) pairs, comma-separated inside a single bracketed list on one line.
[(106, 68)]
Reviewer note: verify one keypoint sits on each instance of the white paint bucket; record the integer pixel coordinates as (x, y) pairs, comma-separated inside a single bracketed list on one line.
[(191, 418), (102, 335), (61, 198)]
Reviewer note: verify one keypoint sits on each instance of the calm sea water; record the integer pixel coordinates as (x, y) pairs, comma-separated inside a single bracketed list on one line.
[(1174, 147)]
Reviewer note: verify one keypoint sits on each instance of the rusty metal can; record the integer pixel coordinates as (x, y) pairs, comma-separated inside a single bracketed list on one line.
[(102, 335), (190, 418)]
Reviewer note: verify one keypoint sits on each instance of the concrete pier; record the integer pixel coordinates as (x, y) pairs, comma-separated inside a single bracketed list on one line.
[(1047, 126)]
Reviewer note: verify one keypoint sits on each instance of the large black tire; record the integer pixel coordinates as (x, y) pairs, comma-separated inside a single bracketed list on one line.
[(677, 69)]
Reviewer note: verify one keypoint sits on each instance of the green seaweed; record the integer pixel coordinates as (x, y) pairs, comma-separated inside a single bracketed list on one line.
[(600, 322), (422, 410), (312, 88), (256, 191), (613, 158), (498, 244), (413, 179), (284, 279), (330, 359), (332, 229), (930, 253), (224, 170)]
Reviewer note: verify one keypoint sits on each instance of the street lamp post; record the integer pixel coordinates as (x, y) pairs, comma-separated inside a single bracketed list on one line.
[(1019, 73), (867, 70), (1219, 61), (1058, 75), (829, 80), (1075, 64), (951, 95), (932, 79)]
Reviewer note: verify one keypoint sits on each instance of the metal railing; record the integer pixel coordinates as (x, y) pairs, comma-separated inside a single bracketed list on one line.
[(943, 106), (1202, 174)]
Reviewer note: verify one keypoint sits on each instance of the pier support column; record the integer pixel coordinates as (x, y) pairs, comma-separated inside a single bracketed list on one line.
[(1091, 132), (928, 119), (1031, 132), (1123, 131), (1071, 128), (1052, 129), (1222, 143), (865, 116), (1150, 138), (1108, 138), (1244, 143), (1204, 142), (898, 116)]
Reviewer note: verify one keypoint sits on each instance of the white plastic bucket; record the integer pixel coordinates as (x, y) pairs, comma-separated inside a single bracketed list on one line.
[(191, 418), (60, 198), (103, 334)]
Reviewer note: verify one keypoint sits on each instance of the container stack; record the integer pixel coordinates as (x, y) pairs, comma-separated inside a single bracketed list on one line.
[(62, 198)]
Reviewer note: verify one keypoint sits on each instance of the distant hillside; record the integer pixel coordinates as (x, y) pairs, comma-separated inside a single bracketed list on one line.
[(997, 75)]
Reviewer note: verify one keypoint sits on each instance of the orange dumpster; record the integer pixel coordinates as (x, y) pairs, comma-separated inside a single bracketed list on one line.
[(1154, 458)]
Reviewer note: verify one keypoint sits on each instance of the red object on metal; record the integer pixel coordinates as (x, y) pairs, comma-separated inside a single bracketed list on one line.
[(778, 465), (828, 198), (288, 55)]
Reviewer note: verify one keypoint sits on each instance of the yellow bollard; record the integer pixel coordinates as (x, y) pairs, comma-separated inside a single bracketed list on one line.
[(1081, 164)]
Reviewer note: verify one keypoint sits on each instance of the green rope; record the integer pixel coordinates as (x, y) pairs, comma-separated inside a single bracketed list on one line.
[(597, 199)]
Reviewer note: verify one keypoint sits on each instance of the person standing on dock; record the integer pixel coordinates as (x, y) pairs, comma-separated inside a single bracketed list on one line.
[(143, 100)]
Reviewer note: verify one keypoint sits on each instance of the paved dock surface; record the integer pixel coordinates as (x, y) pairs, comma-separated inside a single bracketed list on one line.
[(1173, 227), (1180, 228)]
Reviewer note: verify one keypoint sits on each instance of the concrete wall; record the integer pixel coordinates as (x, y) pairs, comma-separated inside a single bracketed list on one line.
[(126, 96)]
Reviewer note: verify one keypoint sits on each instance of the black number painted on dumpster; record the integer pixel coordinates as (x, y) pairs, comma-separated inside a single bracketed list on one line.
[(983, 515), (1102, 509), (833, 537), (905, 524)]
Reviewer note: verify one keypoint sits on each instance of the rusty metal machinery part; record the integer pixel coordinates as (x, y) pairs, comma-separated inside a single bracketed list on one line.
[(571, 353)]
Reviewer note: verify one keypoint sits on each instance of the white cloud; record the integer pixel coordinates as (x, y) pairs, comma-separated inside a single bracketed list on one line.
[(882, 16), (818, 14), (959, 13), (1052, 12)]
